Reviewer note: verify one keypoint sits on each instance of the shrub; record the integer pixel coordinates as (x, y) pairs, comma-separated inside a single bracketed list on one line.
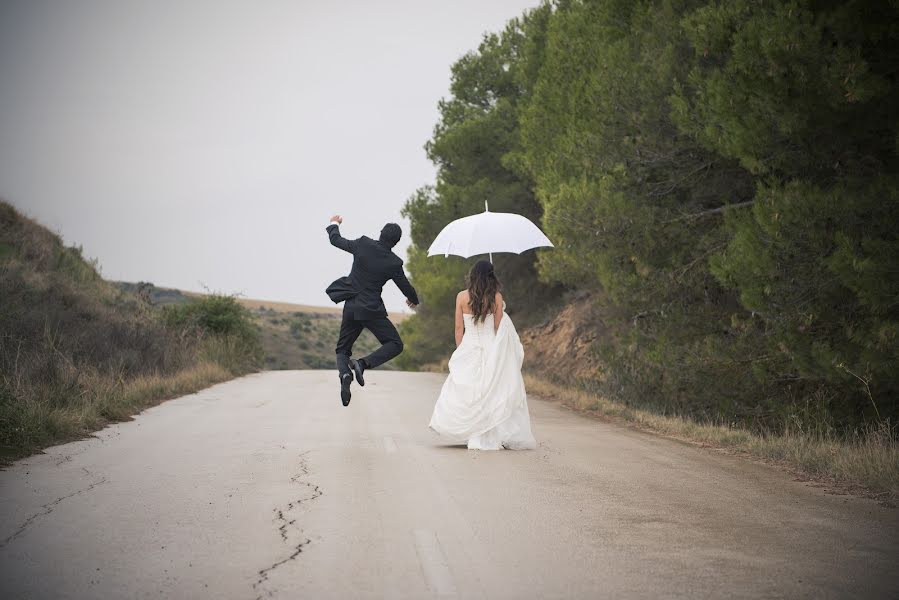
[(226, 327), (77, 351)]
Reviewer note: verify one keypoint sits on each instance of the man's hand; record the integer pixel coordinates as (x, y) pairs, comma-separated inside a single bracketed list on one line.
[(410, 305), (338, 219)]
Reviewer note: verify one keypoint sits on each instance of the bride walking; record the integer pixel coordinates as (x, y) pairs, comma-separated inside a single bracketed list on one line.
[(483, 399)]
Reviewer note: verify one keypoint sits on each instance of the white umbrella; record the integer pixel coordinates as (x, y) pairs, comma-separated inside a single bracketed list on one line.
[(486, 233)]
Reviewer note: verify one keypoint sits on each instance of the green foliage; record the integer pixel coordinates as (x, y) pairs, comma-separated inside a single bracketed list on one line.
[(477, 149), (220, 316), (7, 251), (297, 328), (721, 176), (793, 88), (72, 263), (817, 268), (428, 334), (217, 313)]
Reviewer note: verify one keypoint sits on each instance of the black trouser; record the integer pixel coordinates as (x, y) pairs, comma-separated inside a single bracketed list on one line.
[(381, 327)]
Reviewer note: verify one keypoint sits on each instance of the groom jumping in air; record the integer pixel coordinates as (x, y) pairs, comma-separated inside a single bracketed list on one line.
[(374, 263)]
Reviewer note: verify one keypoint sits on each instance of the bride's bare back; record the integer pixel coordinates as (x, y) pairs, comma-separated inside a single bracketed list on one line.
[(463, 307)]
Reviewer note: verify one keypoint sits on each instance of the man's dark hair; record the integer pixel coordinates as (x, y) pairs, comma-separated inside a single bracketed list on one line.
[(391, 234)]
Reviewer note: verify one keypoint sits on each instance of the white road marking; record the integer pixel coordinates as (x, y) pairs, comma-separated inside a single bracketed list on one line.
[(433, 563)]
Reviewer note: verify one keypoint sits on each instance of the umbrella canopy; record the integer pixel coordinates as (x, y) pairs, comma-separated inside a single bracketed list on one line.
[(486, 233)]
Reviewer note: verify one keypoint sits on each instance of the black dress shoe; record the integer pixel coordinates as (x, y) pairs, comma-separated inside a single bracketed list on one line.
[(345, 380), (358, 369)]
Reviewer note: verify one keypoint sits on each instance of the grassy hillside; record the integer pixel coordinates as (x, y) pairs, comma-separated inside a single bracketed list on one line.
[(302, 340), (293, 336), (77, 352)]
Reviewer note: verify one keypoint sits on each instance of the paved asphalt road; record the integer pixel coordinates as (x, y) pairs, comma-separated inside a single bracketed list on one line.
[(267, 487)]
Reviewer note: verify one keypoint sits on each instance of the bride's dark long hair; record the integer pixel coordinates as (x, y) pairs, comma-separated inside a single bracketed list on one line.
[(482, 287)]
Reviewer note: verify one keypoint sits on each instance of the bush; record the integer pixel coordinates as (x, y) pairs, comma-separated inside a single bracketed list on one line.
[(296, 329), (225, 326), (77, 351), (217, 313)]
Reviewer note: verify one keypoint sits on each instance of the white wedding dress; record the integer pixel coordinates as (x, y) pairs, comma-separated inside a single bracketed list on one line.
[(483, 399)]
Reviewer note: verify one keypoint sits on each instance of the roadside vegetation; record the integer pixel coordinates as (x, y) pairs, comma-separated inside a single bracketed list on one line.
[(866, 458), (720, 180), (77, 352), (292, 336)]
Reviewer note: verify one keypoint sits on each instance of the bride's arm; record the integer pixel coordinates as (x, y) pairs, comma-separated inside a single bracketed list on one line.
[(497, 311), (460, 325)]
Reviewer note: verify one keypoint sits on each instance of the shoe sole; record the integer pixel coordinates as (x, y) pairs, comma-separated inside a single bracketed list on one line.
[(345, 393), (358, 373)]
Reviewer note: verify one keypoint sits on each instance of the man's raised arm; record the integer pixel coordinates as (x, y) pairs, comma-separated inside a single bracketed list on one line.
[(337, 239)]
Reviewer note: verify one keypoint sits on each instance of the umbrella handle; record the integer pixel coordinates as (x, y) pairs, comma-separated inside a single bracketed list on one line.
[(487, 209)]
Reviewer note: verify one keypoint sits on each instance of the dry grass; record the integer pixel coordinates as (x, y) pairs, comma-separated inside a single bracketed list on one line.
[(109, 401), (39, 421), (867, 461), (77, 352)]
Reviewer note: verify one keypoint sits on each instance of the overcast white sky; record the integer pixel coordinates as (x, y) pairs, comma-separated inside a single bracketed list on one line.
[(194, 143)]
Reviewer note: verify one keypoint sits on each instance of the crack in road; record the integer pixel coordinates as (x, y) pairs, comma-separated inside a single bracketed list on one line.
[(47, 508), (286, 527)]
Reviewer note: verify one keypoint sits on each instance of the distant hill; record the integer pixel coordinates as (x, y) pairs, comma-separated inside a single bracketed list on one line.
[(157, 296), (287, 307), (293, 336), (163, 295)]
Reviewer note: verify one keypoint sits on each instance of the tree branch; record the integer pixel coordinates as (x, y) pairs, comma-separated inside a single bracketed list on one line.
[(712, 211)]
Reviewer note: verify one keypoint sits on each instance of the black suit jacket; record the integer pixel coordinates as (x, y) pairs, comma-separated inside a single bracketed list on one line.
[(374, 264)]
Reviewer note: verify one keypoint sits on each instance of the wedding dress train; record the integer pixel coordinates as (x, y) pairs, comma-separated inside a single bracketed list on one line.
[(483, 399)]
